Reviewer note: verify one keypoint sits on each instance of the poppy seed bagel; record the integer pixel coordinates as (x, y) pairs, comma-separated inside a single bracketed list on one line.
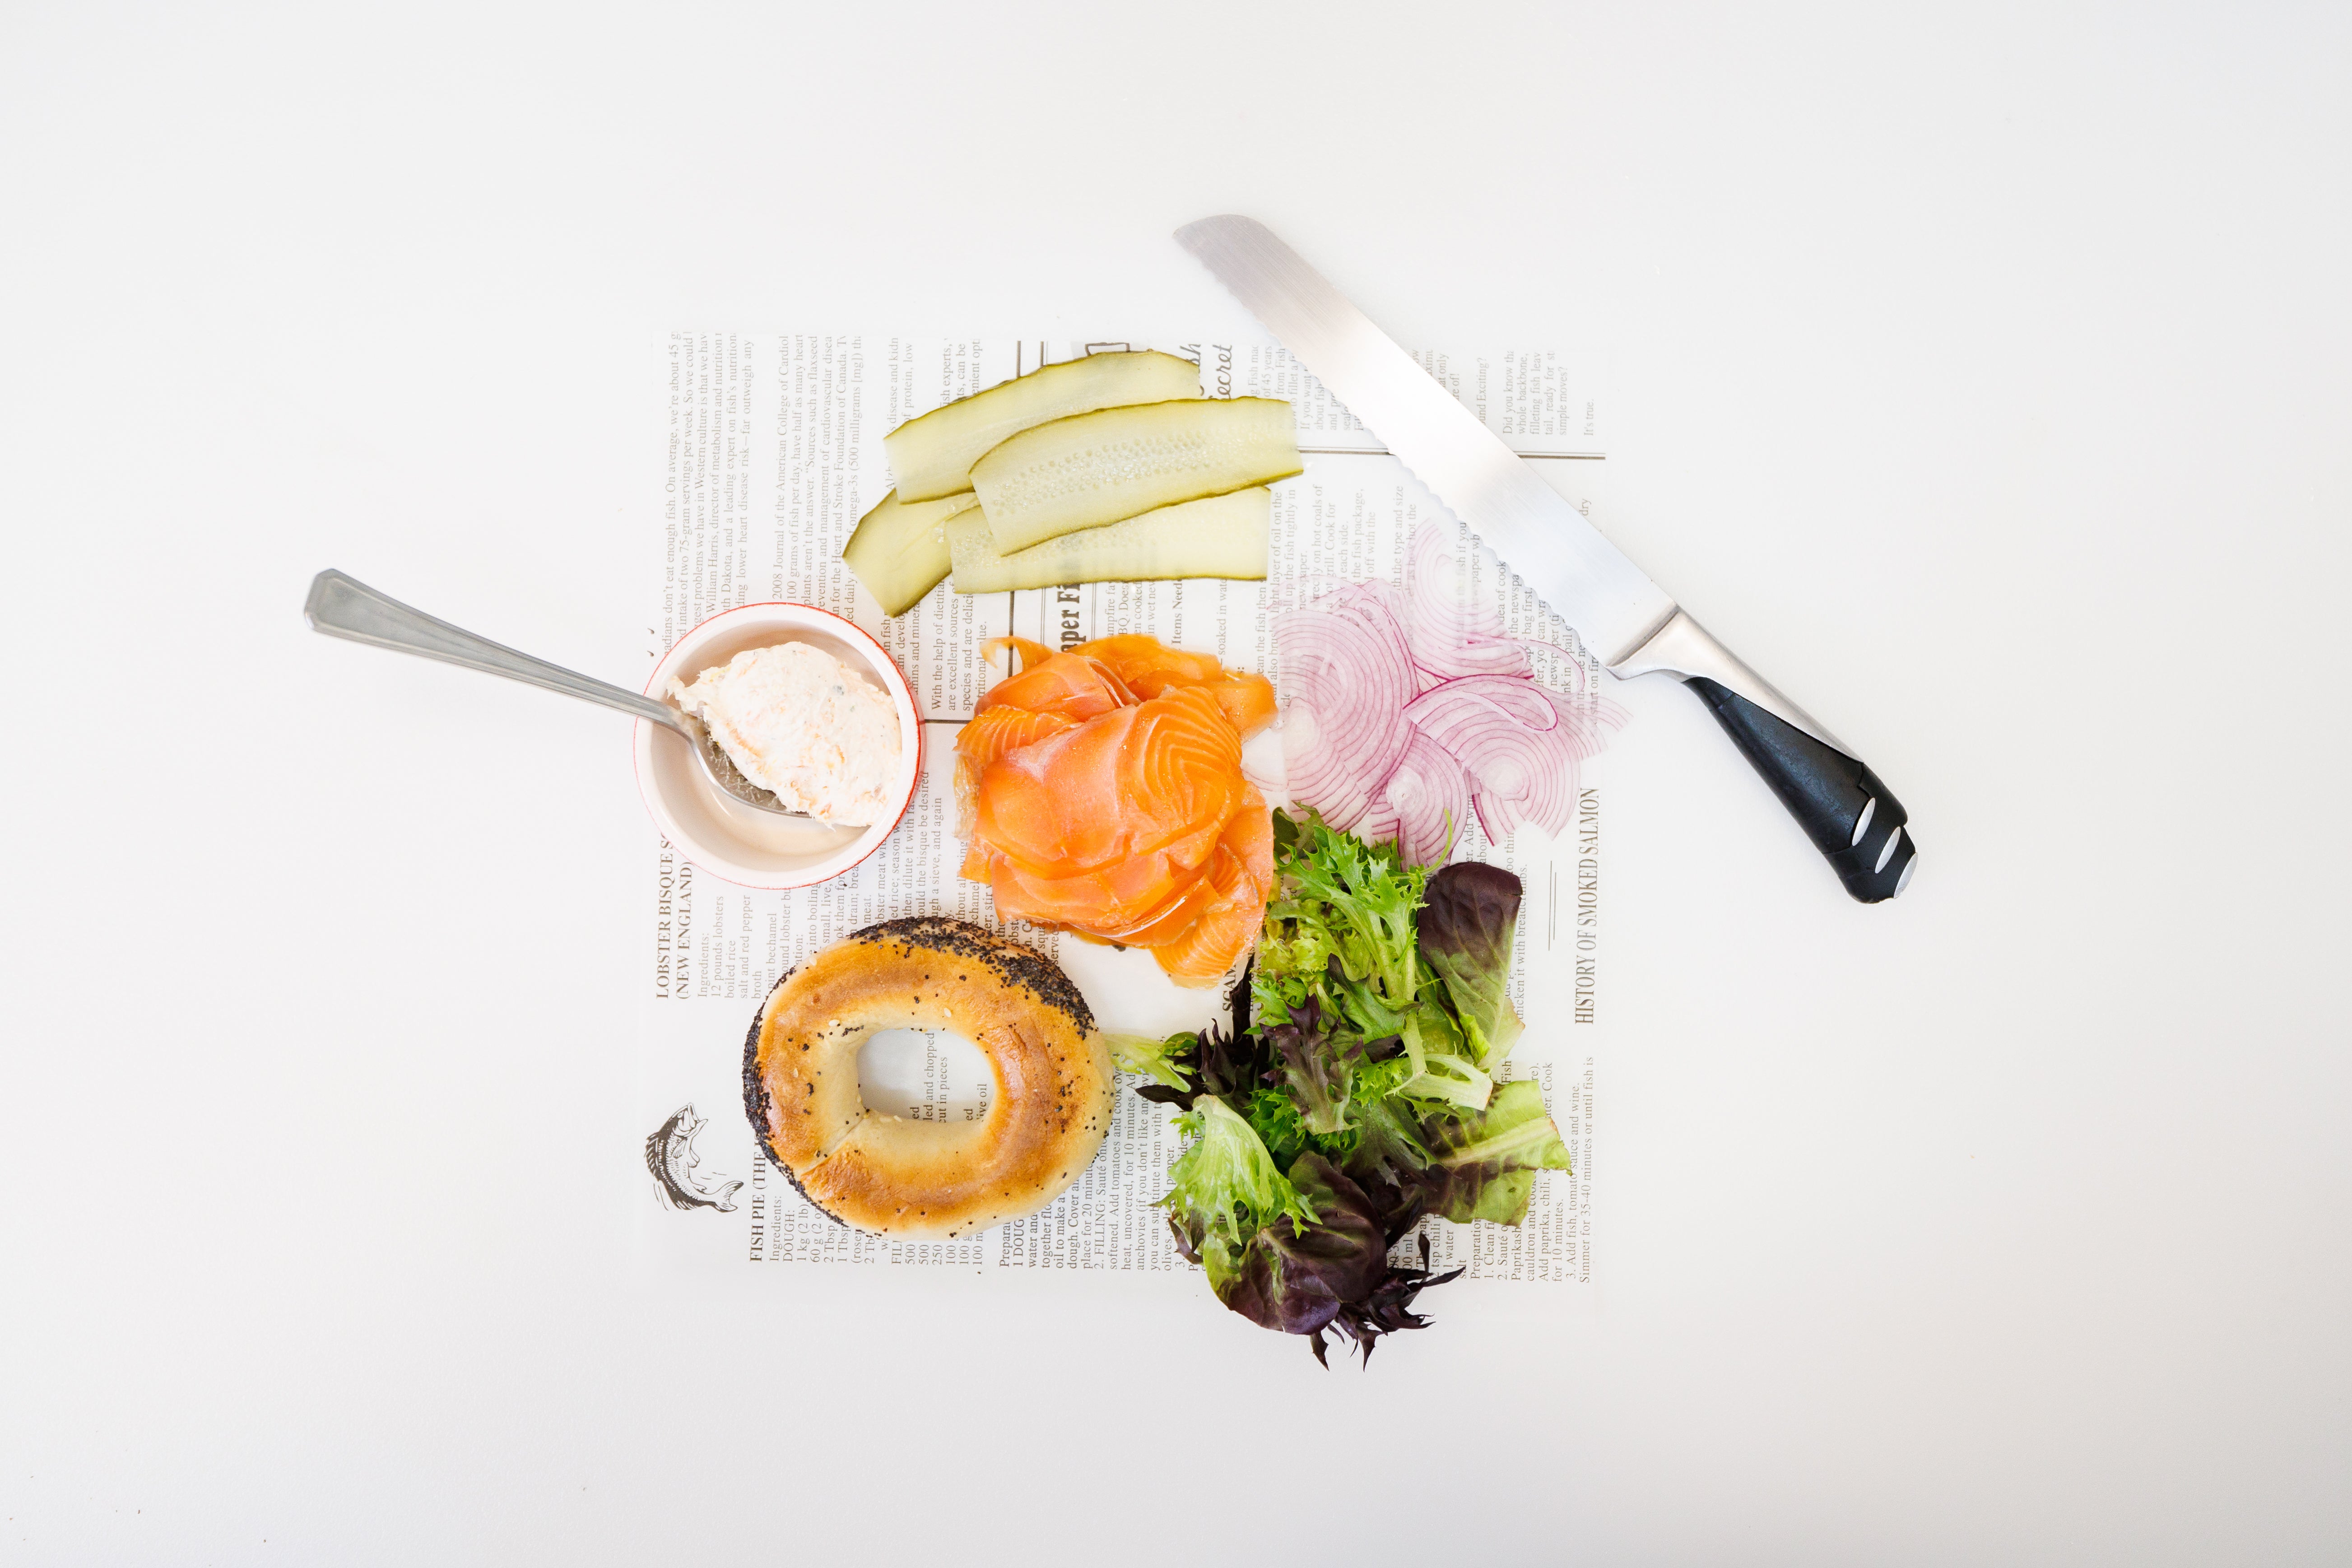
[(1047, 1112)]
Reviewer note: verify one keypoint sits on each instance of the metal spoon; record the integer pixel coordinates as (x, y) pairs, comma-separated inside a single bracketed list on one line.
[(343, 607)]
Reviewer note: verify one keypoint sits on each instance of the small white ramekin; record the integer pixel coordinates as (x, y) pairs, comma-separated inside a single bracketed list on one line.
[(739, 843)]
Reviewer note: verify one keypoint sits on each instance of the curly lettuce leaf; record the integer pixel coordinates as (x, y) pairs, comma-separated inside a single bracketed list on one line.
[(1444, 1075), (1334, 1274), (1183, 1068), (1467, 917), (1295, 1278), (1388, 1307), (1340, 928), (1317, 1067), (1484, 1165), (1168, 1063), (1224, 1188), (1273, 1115), (1387, 1157)]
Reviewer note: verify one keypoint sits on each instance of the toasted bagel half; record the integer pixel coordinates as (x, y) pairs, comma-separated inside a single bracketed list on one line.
[(1047, 1112)]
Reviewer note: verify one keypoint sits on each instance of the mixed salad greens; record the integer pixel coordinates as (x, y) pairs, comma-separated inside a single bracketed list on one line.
[(1357, 1091)]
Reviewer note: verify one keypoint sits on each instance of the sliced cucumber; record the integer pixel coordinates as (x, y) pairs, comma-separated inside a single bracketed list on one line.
[(1095, 468), (897, 550), (932, 456), (1223, 536)]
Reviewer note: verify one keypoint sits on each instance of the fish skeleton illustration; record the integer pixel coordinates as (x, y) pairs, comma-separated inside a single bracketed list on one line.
[(670, 1156)]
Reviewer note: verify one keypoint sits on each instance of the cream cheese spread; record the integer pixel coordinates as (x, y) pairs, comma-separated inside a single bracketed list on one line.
[(802, 725)]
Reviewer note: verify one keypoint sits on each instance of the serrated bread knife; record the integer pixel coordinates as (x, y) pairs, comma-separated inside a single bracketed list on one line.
[(1629, 623)]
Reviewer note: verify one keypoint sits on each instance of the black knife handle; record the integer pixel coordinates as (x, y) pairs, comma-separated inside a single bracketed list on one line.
[(1850, 816)]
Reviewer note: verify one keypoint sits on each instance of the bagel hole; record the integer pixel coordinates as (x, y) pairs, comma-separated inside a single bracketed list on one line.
[(924, 1075)]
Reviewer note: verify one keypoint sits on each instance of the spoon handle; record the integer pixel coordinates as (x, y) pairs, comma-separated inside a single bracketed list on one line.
[(343, 607)]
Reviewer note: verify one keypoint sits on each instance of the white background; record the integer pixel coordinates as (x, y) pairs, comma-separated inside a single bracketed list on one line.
[(1981, 374)]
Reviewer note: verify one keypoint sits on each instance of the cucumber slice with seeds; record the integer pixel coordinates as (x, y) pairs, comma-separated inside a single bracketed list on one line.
[(1095, 468), (898, 550), (1223, 536), (931, 456)]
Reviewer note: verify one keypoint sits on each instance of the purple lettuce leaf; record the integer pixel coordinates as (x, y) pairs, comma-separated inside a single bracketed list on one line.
[(1483, 1166), (1333, 1273), (1317, 1067), (1468, 916), (1387, 1308)]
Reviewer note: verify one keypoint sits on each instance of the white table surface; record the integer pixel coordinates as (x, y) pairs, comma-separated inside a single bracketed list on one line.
[(1980, 376)]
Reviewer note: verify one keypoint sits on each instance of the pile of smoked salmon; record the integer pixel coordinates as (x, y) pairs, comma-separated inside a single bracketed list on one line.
[(1100, 792)]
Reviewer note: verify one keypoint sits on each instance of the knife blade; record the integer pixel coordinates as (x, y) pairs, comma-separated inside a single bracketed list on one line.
[(1630, 624)]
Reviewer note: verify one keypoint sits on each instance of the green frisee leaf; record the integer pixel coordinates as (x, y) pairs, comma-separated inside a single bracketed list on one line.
[(1154, 1060), (1225, 1185)]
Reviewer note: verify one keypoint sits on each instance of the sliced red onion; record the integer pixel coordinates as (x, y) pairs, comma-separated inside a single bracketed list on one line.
[(1449, 635), (1344, 662), (1430, 794), (1403, 713), (1515, 739)]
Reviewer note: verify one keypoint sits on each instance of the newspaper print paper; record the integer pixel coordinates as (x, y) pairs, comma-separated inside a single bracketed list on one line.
[(772, 452)]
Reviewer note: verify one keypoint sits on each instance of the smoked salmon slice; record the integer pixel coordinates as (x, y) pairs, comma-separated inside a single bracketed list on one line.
[(1099, 790), (1157, 776), (1070, 684), (1240, 875), (1247, 700), (994, 731), (1024, 652), (1150, 667)]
